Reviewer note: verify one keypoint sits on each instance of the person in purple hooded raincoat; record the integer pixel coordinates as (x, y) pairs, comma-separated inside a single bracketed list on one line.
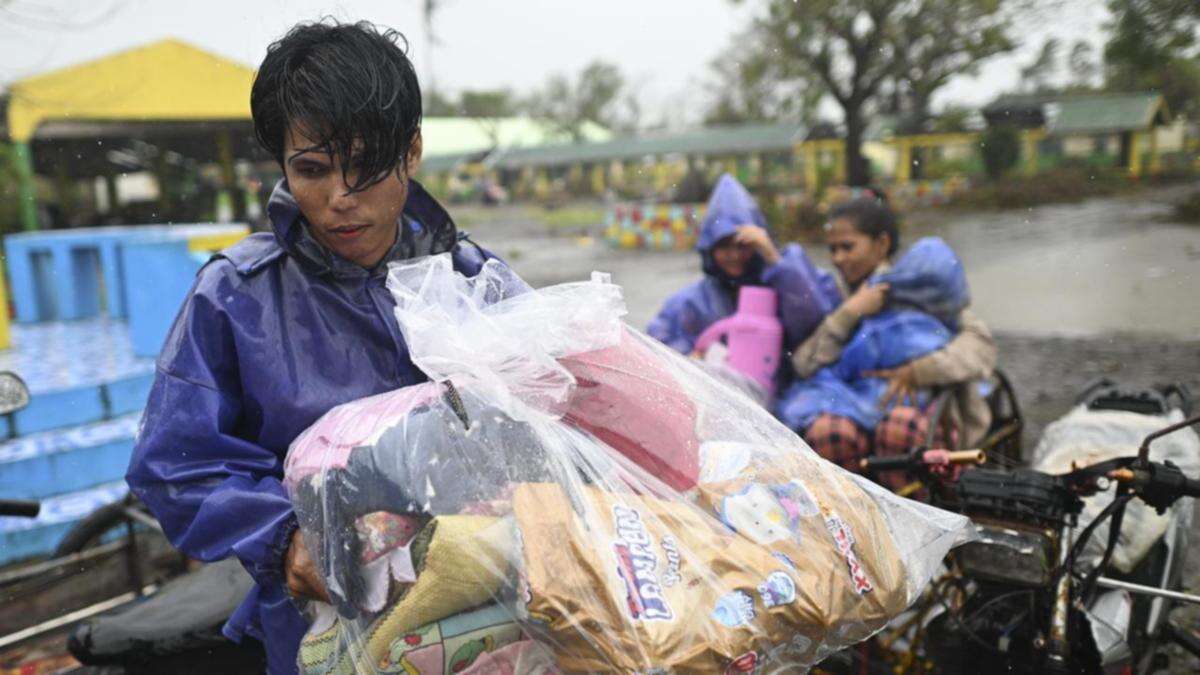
[(285, 325), (736, 250)]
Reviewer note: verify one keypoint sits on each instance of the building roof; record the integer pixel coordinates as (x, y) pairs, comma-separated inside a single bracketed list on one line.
[(1080, 114), (170, 87), (168, 80), (1106, 114), (716, 140)]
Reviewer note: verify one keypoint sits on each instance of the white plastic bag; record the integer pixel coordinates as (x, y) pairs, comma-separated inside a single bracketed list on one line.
[(568, 495)]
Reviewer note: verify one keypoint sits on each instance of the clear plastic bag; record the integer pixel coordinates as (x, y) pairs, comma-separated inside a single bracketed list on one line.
[(567, 495), (1083, 437)]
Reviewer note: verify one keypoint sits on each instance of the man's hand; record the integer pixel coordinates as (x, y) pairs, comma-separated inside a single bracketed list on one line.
[(902, 385), (303, 581), (868, 300), (757, 239)]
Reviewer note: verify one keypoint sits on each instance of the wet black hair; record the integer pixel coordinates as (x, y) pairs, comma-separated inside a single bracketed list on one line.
[(871, 215), (349, 86)]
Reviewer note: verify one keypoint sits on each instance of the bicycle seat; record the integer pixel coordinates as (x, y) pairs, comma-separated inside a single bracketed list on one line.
[(181, 623)]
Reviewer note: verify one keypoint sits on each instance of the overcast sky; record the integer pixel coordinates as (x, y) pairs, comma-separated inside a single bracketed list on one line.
[(663, 46)]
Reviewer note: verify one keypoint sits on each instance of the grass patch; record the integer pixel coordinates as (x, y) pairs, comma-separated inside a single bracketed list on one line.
[(571, 217), (1062, 185)]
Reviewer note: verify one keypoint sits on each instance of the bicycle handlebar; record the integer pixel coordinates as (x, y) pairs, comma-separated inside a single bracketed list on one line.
[(931, 458), (1158, 484), (20, 508)]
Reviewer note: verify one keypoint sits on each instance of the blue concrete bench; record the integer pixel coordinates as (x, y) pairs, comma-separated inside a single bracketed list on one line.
[(49, 463), (160, 273), (75, 274), (78, 372)]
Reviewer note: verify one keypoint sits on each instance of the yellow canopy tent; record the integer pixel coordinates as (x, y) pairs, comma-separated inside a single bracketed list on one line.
[(166, 81)]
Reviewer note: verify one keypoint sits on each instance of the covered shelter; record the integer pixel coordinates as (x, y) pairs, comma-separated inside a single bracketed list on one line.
[(1128, 121), (177, 100), (754, 151)]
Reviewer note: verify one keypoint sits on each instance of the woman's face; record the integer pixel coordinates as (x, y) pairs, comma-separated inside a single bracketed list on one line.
[(853, 253), (732, 257), (357, 226)]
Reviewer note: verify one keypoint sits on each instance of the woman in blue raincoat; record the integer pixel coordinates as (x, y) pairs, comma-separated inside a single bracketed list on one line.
[(285, 325), (736, 250), (948, 344)]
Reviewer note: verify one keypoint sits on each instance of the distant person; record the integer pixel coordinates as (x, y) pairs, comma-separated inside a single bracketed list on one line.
[(285, 325), (863, 238), (693, 188), (736, 250)]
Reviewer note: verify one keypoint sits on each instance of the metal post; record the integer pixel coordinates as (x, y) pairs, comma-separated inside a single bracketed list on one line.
[(1106, 582), (904, 160), (26, 189)]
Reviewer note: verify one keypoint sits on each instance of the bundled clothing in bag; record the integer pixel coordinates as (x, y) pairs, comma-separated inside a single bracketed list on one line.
[(925, 323), (567, 495), (806, 294)]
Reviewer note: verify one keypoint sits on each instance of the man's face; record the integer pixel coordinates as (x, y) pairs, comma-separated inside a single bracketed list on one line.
[(357, 226)]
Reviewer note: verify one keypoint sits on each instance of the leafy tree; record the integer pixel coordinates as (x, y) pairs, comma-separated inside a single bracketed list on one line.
[(437, 104), (488, 107), (751, 84), (1082, 65), (1038, 76), (1153, 46), (597, 95), (942, 39), (1001, 149), (488, 103), (853, 47)]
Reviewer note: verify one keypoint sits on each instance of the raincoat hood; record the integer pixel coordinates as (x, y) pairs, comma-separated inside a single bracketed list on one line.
[(806, 294), (426, 230), (729, 207)]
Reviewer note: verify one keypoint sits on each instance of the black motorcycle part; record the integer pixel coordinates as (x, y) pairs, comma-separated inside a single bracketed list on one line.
[(177, 630), (89, 531), (1021, 494), (1106, 394)]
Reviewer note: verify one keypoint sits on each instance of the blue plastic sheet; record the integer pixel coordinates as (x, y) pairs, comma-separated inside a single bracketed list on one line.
[(890, 339), (887, 340), (928, 277)]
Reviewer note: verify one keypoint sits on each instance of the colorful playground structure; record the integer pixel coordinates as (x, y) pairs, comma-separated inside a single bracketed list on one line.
[(661, 227), (92, 308)]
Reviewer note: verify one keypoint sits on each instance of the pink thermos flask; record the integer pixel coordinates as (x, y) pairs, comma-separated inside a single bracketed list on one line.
[(753, 335)]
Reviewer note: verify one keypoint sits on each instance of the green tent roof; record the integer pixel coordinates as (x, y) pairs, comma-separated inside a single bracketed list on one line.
[(1081, 114), (443, 136), (1105, 114), (715, 140)]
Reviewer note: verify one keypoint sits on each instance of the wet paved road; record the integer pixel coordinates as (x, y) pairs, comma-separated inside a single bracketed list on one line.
[(1102, 266)]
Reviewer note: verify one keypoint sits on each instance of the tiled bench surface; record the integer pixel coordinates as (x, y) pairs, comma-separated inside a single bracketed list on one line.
[(78, 372)]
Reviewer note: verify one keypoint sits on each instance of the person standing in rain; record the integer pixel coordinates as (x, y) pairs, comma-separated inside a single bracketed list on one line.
[(287, 324), (736, 250)]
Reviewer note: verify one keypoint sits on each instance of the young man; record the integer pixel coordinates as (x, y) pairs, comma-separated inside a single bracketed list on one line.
[(288, 324)]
